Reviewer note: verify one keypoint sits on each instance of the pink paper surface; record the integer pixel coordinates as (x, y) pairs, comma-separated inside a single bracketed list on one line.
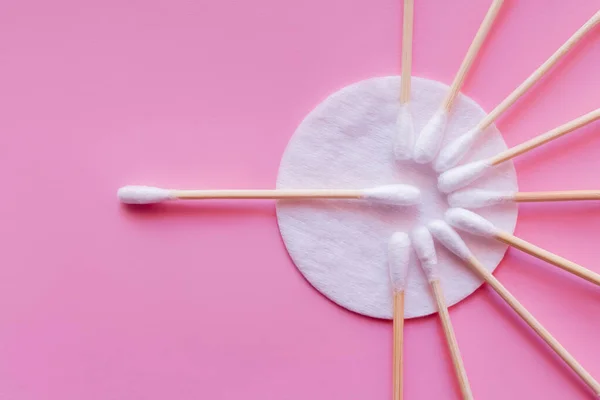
[(98, 301)]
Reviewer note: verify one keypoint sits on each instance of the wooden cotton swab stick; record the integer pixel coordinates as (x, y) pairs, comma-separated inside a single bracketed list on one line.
[(475, 224), (429, 141), (391, 194), (450, 239), (461, 176), (425, 250), (477, 198), (405, 135), (399, 259), (456, 150)]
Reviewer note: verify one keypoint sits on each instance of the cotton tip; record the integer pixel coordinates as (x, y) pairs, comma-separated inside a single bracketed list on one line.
[(429, 141), (404, 195), (422, 242), (143, 194), (477, 198), (449, 239), (461, 176), (468, 221), (404, 142), (455, 151), (398, 259)]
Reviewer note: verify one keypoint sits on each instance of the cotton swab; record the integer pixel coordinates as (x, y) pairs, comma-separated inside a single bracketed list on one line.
[(450, 239), (425, 250), (478, 198), (429, 141), (455, 151), (405, 135), (399, 194), (461, 176), (477, 225), (398, 258)]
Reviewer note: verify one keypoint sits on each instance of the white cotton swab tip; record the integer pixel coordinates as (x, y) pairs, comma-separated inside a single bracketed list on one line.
[(143, 194), (449, 239), (468, 221), (453, 152), (461, 176), (404, 142), (405, 195), (478, 198), (430, 139), (399, 249), (422, 242)]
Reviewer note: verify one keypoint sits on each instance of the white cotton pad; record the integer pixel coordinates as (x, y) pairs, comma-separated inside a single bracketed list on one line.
[(341, 246), (478, 198), (430, 139), (459, 177), (405, 134)]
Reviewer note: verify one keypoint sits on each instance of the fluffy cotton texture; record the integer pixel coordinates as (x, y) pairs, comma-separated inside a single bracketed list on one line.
[(450, 239), (430, 139), (399, 257), (451, 154), (340, 246), (459, 177), (143, 194), (403, 195), (425, 250), (478, 198), (405, 135), (468, 221)]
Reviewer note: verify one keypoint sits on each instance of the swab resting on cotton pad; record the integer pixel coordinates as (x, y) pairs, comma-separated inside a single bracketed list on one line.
[(478, 198), (404, 141), (450, 239), (399, 249), (475, 224), (430, 139), (425, 249), (456, 150), (459, 177), (398, 194)]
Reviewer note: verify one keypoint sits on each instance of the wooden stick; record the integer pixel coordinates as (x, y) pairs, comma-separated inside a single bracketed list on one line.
[(538, 73), (268, 194), (547, 256), (545, 137), (407, 39), (565, 195), (457, 362), (398, 343), (483, 31), (534, 324)]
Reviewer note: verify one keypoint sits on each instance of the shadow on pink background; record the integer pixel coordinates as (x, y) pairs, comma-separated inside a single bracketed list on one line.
[(98, 301)]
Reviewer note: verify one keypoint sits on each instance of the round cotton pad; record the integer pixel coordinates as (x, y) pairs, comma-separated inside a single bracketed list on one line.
[(340, 246)]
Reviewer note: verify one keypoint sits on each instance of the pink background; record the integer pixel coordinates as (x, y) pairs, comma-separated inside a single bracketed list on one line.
[(202, 302)]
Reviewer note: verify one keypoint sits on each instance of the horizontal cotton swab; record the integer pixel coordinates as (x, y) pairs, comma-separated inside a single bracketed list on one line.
[(405, 135), (398, 194), (399, 250), (430, 139), (455, 151), (478, 198), (425, 250), (450, 239), (475, 224), (461, 176)]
